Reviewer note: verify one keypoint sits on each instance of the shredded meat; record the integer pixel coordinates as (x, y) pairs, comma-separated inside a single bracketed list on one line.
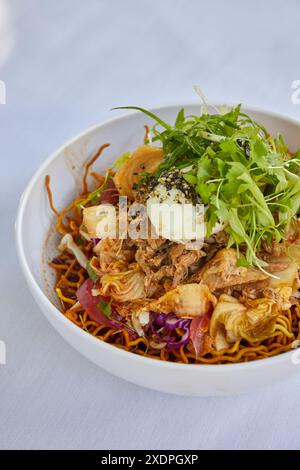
[(156, 243), (220, 238), (112, 252), (182, 261), (222, 272), (243, 292), (160, 259)]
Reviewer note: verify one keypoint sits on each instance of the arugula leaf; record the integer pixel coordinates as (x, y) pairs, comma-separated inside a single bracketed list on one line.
[(180, 118), (192, 179), (204, 168), (105, 308), (205, 191), (92, 274)]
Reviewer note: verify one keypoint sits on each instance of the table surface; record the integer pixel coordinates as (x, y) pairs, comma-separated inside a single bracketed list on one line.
[(65, 64)]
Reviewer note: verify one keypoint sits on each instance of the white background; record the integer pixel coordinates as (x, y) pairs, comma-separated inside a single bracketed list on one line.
[(65, 64)]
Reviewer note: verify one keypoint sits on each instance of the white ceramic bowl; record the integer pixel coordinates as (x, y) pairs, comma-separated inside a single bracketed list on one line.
[(35, 246)]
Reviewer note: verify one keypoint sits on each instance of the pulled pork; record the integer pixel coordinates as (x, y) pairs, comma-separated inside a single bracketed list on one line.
[(164, 260), (222, 272)]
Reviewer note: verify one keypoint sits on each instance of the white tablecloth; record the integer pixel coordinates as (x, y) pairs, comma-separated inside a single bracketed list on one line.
[(65, 64)]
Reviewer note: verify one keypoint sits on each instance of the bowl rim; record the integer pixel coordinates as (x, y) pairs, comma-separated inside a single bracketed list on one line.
[(37, 291)]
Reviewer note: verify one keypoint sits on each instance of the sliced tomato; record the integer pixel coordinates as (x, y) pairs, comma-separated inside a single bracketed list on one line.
[(199, 334), (90, 303), (110, 194)]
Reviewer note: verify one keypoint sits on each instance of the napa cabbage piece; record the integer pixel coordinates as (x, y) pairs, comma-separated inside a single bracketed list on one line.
[(145, 159), (284, 283), (84, 233), (123, 286), (233, 321), (287, 275), (100, 220), (285, 268), (282, 296), (186, 300), (67, 243), (139, 320)]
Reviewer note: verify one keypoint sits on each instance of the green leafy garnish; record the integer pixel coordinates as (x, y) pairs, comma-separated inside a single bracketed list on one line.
[(148, 113), (105, 308), (121, 159), (247, 178), (95, 194), (242, 262), (92, 274)]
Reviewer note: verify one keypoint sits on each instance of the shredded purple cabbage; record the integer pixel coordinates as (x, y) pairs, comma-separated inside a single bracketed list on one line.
[(116, 322), (162, 324)]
